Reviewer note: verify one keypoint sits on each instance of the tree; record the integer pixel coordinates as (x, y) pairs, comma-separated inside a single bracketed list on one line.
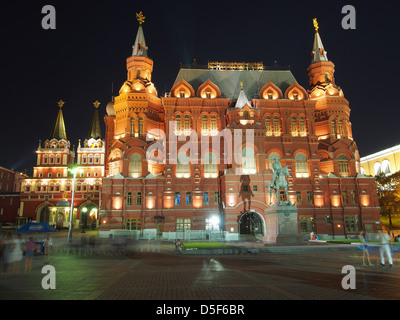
[(389, 194)]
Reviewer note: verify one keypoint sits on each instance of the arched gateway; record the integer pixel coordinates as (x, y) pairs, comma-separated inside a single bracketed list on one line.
[(251, 223)]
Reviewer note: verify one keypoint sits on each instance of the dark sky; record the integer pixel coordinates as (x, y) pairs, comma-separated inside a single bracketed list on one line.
[(79, 60)]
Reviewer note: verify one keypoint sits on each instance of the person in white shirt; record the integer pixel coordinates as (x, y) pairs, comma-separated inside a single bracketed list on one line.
[(385, 249)]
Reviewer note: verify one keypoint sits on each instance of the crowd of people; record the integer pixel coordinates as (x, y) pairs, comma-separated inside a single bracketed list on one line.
[(13, 249)]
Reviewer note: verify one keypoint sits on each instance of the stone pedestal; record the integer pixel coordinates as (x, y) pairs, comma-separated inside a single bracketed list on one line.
[(281, 225)]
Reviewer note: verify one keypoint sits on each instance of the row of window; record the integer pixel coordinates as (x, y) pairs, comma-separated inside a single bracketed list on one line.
[(81, 174), (306, 224), (248, 165), (188, 198), (351, 223), (90, 159), (52, 187), (182, 224)]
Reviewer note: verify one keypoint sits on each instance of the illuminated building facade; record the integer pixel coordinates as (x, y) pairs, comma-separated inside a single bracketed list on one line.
[(46, 197), (307, 130), (386, 161)]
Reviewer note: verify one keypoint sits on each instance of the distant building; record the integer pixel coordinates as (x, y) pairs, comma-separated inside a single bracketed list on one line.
[(309, 131), (10, 182), (46, 197), (386, 161)]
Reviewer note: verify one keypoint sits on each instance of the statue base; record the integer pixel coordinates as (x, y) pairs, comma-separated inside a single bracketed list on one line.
[(282, 225)]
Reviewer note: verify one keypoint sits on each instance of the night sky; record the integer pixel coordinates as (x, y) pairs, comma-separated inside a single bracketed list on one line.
[(85, 57)]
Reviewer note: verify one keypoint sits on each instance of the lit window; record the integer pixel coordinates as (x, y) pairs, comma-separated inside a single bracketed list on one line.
[(386, 167), (277, 131), (204, 125), (141, 126), (352, 223), (293, 126), (182, 166), (333, 127), (213, 125), (301, 166), (178, 124), (188, 198), (210, 166), (132, 127), (302, 127), (177, 198), (205, 198), (183, 225), (268, 126), (344, 170), (135, 166)]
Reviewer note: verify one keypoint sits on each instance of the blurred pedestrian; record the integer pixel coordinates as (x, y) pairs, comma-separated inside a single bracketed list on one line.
[(364, 243), (385, 249), (47, 244), (178, 246), (30, 248)]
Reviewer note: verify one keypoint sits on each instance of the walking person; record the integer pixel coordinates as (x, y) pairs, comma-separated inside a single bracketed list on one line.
[(385, 249), (30, 248), (178, 246), (361, 236), (47, 243)]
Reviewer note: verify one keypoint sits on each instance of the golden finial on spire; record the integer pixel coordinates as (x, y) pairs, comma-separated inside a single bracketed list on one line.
[(60, 103), (315, 24), (140, 17), (241, 85), (96, 104)]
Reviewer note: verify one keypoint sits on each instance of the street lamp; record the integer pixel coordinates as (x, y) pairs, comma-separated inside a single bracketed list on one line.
[(74, 170)]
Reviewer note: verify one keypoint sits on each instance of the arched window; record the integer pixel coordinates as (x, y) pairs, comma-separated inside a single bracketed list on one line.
[(213, 125), (84, 158), (246, 115), (268, 126), (293, 126), (386, 167), (333, 127), (187, 124), (301, 166), (377, 168), (340, 127), (141, 126), (344, 169), (210, 166), (302, 127), (182, 166), (248, 161), (132, 126), (277, 131), (204, 125), (135, 166), (58, 158), (178, 124), (45, 158)]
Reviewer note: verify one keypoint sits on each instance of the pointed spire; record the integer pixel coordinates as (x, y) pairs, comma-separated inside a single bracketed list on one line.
[(242, 99), (58, 131), (95, 130), (140, 48), (318, 53)]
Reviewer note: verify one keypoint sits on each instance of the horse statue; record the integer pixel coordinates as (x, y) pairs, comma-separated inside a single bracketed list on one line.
[(278, 183)]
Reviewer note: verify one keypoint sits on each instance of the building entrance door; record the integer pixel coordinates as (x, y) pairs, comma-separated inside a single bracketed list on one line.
[(251, 223)]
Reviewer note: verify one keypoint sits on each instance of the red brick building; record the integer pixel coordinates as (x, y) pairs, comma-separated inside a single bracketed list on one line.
[(254, 114), (9, 195), (47, 196)]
